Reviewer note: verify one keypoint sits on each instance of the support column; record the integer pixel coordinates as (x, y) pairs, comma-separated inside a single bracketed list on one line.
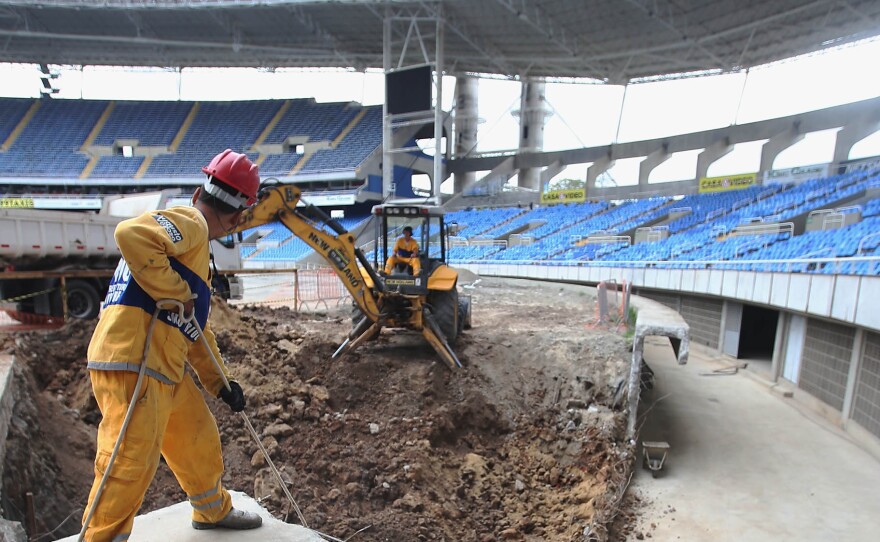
[(852, 376), (851, 134), (551, 171), (387, 157), (649, 163), (466, 123), (533, 114), (712, 154), (599, 167), (779, 346), (439, 165), (777, 144)]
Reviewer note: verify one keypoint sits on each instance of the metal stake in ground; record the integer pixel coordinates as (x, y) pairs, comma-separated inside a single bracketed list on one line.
[(246, 420)]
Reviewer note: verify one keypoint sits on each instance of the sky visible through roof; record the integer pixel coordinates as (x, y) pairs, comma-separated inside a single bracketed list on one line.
[(583, 115)]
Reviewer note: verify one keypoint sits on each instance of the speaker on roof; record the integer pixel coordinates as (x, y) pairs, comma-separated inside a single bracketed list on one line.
[(409, 90)]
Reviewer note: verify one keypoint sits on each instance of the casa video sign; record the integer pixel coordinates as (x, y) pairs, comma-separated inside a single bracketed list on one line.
[(552, 197), (727, 182)]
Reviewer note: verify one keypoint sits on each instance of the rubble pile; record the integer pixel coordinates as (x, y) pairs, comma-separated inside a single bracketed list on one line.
[(524, 443)]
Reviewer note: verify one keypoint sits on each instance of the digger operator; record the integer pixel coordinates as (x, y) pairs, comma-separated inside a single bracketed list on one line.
[(406, 250), (165, 255)]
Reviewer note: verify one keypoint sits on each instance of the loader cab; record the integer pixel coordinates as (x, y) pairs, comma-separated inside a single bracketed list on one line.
[(428, 231)]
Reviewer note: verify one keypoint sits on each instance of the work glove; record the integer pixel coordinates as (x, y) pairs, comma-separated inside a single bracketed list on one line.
[(234, 396)]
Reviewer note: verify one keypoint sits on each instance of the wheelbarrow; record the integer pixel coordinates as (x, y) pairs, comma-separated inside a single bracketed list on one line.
[(654, 455)]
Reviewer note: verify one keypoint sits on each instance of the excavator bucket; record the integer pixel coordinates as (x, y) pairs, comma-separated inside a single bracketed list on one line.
[(363, 331)]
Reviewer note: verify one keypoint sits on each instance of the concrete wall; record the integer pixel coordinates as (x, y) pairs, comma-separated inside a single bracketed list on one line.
[(6, 403), (865, 404)]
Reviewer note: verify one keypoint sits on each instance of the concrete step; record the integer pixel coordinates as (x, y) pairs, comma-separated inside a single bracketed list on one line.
[(173, 524)]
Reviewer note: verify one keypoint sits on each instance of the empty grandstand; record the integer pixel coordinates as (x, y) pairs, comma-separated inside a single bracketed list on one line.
[(114, 143), (706, 228)]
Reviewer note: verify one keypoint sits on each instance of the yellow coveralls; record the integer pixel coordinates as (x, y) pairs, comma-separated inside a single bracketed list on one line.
[(404, 252), (165, 255)]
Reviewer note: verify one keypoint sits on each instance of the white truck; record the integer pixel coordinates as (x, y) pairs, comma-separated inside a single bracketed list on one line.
[(42, 245)]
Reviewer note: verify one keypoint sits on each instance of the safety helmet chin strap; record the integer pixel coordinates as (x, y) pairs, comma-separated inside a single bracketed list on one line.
[(238, 201)]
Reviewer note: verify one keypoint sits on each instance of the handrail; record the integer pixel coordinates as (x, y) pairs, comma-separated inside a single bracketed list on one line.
[(816, 253), (694, 263), (763, 229), (865, 238), (849, 208), (609, 239), (487, 243)]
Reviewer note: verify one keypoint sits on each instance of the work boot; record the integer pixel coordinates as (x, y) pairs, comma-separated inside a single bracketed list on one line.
[(235, 519)]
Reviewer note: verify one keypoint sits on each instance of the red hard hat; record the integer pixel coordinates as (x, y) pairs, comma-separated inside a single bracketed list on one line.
[(236, 171)]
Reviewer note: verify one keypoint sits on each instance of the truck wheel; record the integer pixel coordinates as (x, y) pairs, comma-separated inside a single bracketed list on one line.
[(444, 305), (83, 301)]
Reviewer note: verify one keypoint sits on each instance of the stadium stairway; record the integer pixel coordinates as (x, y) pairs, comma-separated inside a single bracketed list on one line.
[(268, 130), (310, 152), (90, 140), (10, 113)]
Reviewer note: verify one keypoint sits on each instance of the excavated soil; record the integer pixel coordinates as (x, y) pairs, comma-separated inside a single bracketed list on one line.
[(524, 443)]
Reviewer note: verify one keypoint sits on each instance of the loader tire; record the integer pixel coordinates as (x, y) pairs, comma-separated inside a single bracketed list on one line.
[(464, 312), (444, 305)]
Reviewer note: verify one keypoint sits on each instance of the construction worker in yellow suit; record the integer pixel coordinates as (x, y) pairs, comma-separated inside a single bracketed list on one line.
[(406, 250), (166, 255)]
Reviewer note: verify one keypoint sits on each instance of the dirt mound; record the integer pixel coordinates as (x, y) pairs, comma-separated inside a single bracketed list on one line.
[(522, 444)]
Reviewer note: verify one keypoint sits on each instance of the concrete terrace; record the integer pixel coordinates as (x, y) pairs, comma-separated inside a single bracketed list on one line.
[(747, 463)]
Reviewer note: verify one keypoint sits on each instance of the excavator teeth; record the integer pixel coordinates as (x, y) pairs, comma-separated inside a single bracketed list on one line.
[(434, 335), (355, 341)]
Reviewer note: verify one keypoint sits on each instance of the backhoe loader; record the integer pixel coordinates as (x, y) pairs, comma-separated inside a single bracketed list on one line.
[(427, 303)]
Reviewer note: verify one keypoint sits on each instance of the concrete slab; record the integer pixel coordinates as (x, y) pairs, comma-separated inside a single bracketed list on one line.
[(657, 320), (653, 320), (173, 524), (746, 463)]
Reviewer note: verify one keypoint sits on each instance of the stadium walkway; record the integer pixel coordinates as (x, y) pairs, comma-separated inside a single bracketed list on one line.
[(747, 464)]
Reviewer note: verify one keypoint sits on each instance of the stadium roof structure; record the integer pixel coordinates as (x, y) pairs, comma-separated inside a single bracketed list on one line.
[(607, 40)]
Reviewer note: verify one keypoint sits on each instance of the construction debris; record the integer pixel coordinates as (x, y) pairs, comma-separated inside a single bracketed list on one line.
[(522, 444)]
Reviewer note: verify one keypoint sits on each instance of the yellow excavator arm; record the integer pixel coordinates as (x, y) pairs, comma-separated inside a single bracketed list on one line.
[(278, 203)]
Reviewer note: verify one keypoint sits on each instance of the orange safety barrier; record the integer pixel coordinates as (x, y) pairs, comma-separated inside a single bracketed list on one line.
[(13, 320), (317, 287)]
